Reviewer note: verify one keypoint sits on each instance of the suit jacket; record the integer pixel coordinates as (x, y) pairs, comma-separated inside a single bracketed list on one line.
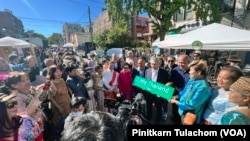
[(118, 68), (76, 85), (162, 76), (144, 71)]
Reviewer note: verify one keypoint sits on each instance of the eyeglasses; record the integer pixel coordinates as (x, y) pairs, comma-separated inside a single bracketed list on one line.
[(170, 60), (11, 105)]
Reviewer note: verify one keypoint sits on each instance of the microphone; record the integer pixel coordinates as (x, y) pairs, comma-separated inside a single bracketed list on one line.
[(139, 97), (49, 103), (46, 88), (140, 103), (46, 85)]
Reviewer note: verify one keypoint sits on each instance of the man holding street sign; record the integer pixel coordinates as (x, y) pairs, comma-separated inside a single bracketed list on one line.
[(156, 74)]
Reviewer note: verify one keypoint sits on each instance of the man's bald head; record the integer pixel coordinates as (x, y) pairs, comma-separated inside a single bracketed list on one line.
[(183, 61)]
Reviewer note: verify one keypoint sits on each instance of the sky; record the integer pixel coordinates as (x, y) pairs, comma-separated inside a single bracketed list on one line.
[(48, 16)]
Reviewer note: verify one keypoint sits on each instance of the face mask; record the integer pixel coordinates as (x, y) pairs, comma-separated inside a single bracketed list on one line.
[(77, 114)]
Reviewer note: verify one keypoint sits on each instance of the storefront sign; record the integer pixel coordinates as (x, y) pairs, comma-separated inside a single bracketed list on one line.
[(197, 44)]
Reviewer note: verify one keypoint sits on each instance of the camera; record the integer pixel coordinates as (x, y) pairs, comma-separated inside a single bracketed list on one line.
[(127, 110), (87, 72), (132, 113), (124, 110)]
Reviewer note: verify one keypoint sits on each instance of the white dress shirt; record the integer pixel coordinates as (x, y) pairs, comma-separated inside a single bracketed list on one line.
[(154, 75)]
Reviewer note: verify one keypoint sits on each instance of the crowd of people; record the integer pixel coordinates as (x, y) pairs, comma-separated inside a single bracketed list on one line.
[(59, 97)]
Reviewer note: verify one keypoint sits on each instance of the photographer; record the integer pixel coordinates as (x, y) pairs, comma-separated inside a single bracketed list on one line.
[(14, 63), (34, 71), (29, 98), (89, 84), (75, 82)]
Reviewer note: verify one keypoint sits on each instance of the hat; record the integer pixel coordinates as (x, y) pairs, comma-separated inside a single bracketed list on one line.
[(92, 54), (197, 52), (12, 57), (234, 58), (6, 97), (242, 86), (78, 100)]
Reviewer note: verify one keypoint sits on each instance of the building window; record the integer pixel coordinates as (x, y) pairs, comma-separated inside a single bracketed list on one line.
[(139, 34), (138, 23)]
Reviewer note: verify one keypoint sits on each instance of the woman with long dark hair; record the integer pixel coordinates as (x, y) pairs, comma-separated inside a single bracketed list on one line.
[(9, 121), (61, 100)]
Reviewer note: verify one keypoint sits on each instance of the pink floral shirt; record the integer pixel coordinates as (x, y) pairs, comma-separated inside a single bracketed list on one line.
[(29, 129)]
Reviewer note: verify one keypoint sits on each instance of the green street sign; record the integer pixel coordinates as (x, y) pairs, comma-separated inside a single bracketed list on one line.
[(156, 88)]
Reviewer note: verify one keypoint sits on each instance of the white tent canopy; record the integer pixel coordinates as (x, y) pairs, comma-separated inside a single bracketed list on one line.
[(213, 37), (169, 38), (15, 43)]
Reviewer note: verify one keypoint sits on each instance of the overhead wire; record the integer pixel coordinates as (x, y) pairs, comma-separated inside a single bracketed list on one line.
[(59, 23)]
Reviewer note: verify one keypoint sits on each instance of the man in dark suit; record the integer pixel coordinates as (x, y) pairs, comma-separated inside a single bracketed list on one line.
[(117, 65), (178, 79), (155, 73), (140, 71)]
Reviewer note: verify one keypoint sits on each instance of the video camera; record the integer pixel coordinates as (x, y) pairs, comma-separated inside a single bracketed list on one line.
[(127, 110), (114, 103), (87, 71), (132, 114)]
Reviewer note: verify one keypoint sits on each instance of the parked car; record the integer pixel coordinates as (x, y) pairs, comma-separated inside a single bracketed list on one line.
[(117, 51), (98, 53)]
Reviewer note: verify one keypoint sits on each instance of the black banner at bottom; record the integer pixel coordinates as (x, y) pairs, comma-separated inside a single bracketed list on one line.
[(221, 133)]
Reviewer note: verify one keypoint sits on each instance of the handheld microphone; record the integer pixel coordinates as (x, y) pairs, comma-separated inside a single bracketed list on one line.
[(46, 88)]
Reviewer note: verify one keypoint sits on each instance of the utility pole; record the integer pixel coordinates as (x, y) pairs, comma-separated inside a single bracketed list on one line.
[(90, 27)]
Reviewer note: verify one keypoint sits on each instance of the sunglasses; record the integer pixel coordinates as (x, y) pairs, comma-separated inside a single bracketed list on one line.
[(170, 60), (11, 105)]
